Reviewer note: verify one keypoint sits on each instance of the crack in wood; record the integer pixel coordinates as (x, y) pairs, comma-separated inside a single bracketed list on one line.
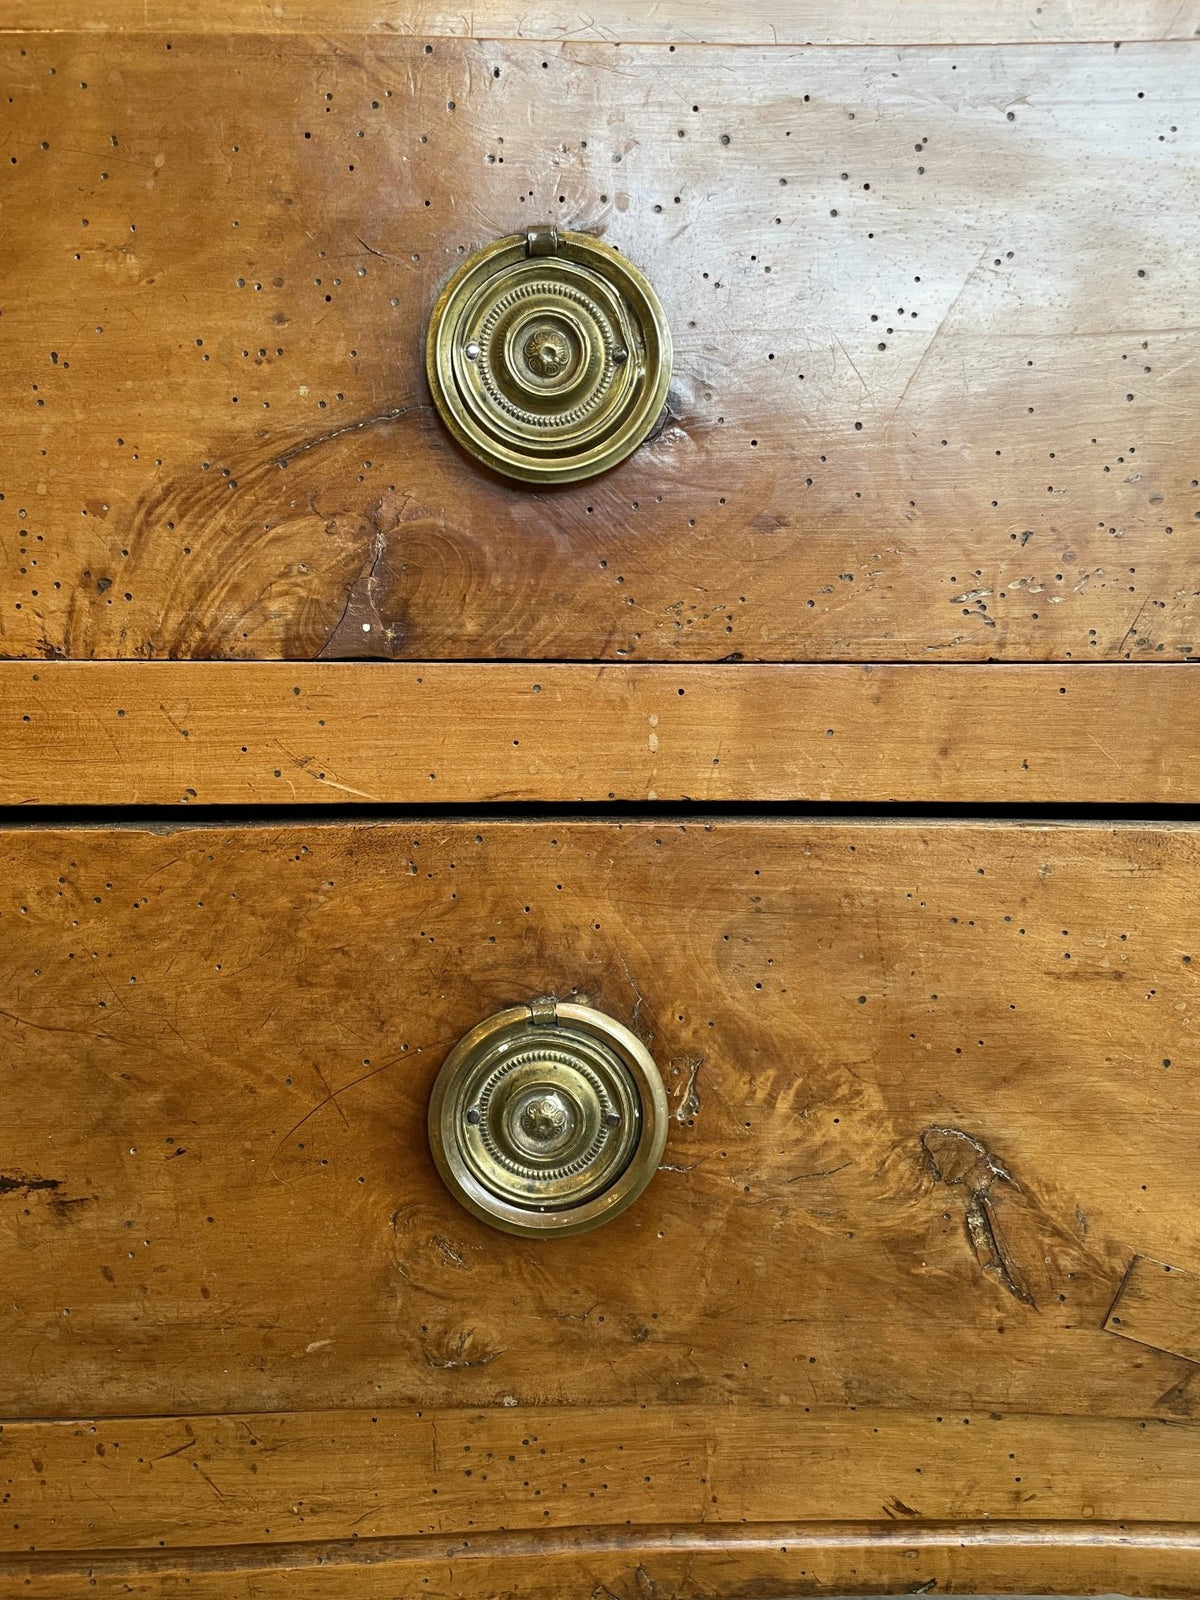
[(955, 1157)]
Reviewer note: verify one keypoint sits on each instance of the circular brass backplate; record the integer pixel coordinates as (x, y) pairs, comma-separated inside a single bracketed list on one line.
[(548, 1118), (548, 356)]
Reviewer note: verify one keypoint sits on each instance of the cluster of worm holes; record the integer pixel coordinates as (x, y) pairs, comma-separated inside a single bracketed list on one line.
[(265, 353), (552, 1467), (88, 914), (356, 136)]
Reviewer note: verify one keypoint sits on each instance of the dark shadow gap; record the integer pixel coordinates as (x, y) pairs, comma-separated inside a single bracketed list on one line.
[(736, 658), (618, 811)]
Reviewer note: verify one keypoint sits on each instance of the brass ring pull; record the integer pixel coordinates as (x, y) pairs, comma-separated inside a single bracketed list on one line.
[(548, 1118), (548, 356)]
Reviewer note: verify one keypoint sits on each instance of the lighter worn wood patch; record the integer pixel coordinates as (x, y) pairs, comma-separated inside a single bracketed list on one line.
[(690, 22), (703, 1561)]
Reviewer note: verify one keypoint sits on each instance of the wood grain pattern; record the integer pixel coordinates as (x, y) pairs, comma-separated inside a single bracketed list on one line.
[(640, 1563), (931, 1087), (686, 22), (350, 733), (934, 313), (1159, 1305), (382, 1474)]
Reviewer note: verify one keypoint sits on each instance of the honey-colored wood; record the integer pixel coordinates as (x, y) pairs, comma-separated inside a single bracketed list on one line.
[(917, 528), (684, 22), (308, 1476), (934, 319), (932, 1088), (695, 1563), (351, 733), (1159, 1305)]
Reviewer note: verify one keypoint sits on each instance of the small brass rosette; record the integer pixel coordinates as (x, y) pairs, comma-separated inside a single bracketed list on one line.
[(548, 356), (548, 1118)]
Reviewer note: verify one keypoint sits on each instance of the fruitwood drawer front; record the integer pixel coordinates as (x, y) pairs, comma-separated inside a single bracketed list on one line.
[(933, 1098), (933, 311)]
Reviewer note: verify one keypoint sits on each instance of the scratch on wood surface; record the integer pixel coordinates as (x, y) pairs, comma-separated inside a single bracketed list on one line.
[(391, 415), (638, 1000), (1105, 752), (384, 255), (850, 359), (1132, 626), (1158, 1305), (826, 1172), (188, 1444), (937, 334), (332, 1098), (1178, 1397), (52, 1027), (209, 1481), (367, 629)]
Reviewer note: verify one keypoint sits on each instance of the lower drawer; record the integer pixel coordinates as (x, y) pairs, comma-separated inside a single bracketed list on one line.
[(933, 1106)]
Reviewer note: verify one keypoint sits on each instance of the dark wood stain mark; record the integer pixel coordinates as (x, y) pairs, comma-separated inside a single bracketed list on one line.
[(15, 1183)]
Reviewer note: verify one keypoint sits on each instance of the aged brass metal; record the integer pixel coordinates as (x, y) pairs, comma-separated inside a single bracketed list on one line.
[(548, 1119), (548, 356)]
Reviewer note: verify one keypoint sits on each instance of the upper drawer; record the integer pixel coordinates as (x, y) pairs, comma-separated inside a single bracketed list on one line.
[(934, 327)]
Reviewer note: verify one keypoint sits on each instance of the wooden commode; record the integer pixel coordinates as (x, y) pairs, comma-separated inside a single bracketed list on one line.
[(599, 761)]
